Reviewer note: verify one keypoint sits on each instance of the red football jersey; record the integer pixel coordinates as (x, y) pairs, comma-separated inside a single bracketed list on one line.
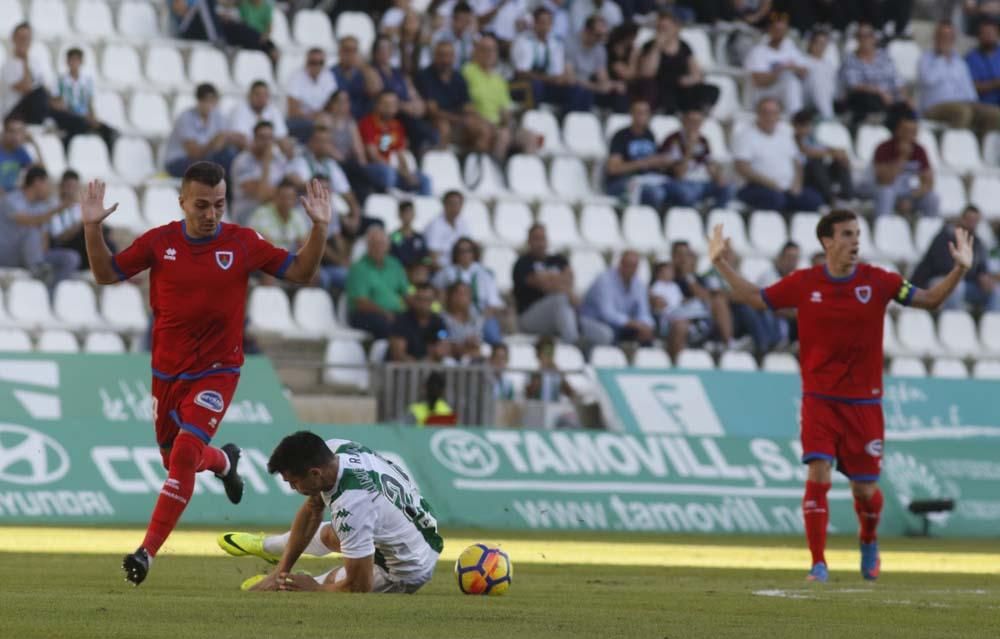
[(198, 292), (840, 326)]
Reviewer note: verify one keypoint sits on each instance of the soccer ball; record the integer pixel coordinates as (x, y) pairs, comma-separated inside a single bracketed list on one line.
[(483, 569)]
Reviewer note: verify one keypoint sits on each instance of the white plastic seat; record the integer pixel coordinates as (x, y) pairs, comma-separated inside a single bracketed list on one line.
[(986, 369), (57, 341), (583, 135), (560, 222), (985, 194), (927, 139), (728, 103), (527, 177), (149, 114), (780, 363), (614, 123), (75, 305), (500, 261), (425, 209), (662, 126), (281, 32), (165, 67), (868, 138), (989, 332), (733, 227), (383, 207), (711, 129), (683, 223), (571, 182), (128, 216), (603, 356), (49, 19), (599, 226), (110, 109), (89, 155), (957, 334), (120, 66), (569, 358), (288, 64), (651, 358), (767, 232), (927, 228), (378, 350), (835, 135), (345, 361), (11, 15), (159, 205), (905, 56), (358, 24), (311, 28), (522, 357), (991, 148), (586, 265), (737, 361), (137, 21), (642, 230), (53, 153), (890, 343), (512, 221), (208, 64), (960, 151), (13, 340), (701, 47), (753, 268), (269, 311), (894, 240), (443, 170), (695, 359), (949, 368), (915, 329), (866, 240), (484, 177), (545, 124), (250, 66), (803, 232), (133, 160), (314, 313), (123, 308), (907, 367), (103, 342), (477, 216)]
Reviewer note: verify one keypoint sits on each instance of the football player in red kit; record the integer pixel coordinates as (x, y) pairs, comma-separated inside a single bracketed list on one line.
[(199, 273), (841, 307)]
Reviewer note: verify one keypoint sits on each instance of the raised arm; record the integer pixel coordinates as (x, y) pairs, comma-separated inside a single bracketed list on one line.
[(93, 213), (962, 253), (742, 290), (316, 202)]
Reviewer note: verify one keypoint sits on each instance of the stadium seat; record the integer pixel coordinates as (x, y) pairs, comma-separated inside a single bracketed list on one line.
[(736, 361), (927, 228), (289, 63), (583, 136), (985, 233), (662, 126), (780, 363), (960, 151), (927, 139), (53, 153), (13, 340), (207, 64), (569, 358), (957, 334), (683, 223), (484, 177), (512, 221), (378, 351), (281, 33), (89, 156), (608, 357), (43, 53), (560, 222), (90, 58), (128, 216), (915, 330), (425, 209), (907, 367), (868, 138), (75, 305), (159, 205), (250, 66), (905, 55), (358, 24), (716, 138), (890, 344), (733, 227), (345, 363), (269, 312), (803, 232), (110, 109), (767, 232), (728, 104), (11, 15), (642, 230), (165, 68), (697, 39), (949, 368), (865, 239), (103, 342), (586, 265), (614, 123), (528, 178), (49, 19), (894, 240), (181, 103), (986, 369), (121, 67), (57, 341), (985, 194), (989, 333), (991, 149), (753, 268), (522, 357), (133, 160), (651, 358), (570, 182), (92, 19), (443, 170), (138, 22), (123, 308), (311, 28), (383, 207), (314, 313), (500, 261), (833, 134), (695, 359), (477, 216), (599, 226), (545, 124)]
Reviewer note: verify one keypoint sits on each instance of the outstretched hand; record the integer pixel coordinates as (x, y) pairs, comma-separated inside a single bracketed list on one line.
[(92, 209), (718, 245), (961, 248), (290, 582), (316, 202)]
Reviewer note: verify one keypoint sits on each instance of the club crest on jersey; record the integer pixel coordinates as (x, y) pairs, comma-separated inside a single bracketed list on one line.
[(863, 293), (224, 259), (210, 399)]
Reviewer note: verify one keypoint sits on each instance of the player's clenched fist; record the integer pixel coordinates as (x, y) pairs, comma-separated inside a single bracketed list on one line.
[(92, 209)]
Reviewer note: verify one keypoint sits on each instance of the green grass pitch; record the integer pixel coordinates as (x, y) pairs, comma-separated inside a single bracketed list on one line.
[(66, 583)]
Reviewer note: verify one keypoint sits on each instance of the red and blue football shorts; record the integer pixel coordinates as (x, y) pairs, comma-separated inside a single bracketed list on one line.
[(847, 432), (196, 406)]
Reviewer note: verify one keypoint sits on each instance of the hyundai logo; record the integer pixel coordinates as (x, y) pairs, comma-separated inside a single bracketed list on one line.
[(30, 457), (464, 453)]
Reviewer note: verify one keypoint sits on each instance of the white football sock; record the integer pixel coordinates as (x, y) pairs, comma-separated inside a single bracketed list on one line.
[(275, 544)]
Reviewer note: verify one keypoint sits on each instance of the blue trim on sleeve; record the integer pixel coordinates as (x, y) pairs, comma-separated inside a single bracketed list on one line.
[(863, 477), (808, 457), (854, 401), (280, 273), (190, 428), (117, 269), (234, 370), (763, 296)]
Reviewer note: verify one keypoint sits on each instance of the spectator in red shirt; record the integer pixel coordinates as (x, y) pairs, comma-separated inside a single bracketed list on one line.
[(904, 180), (385, 144)]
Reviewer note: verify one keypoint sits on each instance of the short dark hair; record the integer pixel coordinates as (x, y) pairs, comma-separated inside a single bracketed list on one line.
[(452, 193), (423, 286), (35, 173), (286, 183), (807, 115), (541, 10), (434, 387), (262, 125), (788, 245), (19, 26), (591, 20), (534, 227), (545, 342), (298, 452), (457, 246), (831, 219), (69, 174), (257, 84), (405, 204), (676, 244), (74, 52), (14, 117), (205, 90), (897, 114), (461, 7), (207, 173), (971, 208)]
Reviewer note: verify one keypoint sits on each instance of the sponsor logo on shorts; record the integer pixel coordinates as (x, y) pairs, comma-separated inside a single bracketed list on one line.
[(874, 448), (816, 297), (863, 293), (210, 399)]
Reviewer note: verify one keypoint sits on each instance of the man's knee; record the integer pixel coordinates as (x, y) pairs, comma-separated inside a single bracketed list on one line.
[(863, 490), (185, 454), (820, 471)]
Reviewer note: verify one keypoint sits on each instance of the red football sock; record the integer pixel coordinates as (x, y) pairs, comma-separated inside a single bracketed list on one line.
[(176, 492), (868, 516), (816, 515), (213, 459)]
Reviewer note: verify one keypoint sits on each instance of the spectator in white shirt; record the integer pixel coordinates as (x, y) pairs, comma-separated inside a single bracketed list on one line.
[(308, 91), (446, 229), (767, 158), (947, 92), (256, 173), (505, 19), (540, 58), (581, 10), (259, 108)]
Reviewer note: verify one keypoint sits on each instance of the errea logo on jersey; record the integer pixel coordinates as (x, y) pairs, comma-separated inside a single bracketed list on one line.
[(170, 254), (816, 297)]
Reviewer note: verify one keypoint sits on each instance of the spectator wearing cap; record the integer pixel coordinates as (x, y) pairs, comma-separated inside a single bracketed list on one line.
[(307, 92), (980, 287), (670, 77), (826, 170), (984, 63), (904, 179), (200, 133), (539, 58), (376, 287), (617, 300), (418, 331)]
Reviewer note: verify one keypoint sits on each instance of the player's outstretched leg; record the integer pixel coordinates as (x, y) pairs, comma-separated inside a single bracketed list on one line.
[(868, 506), (271, 547), (816, 516)]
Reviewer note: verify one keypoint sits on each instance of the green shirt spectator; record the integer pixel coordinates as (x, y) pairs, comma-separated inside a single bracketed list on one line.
[(257, 14)]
